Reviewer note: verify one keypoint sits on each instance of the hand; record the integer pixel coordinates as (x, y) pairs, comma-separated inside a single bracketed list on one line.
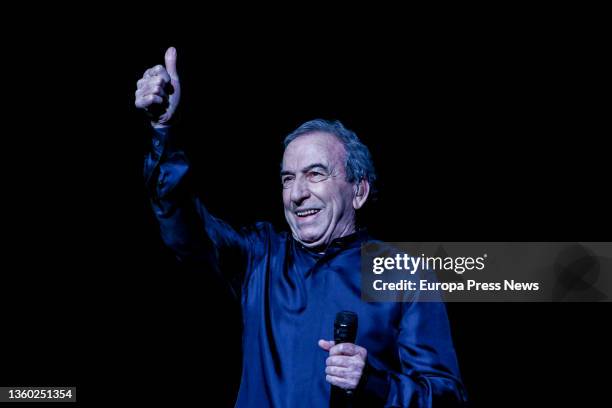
[(159, 91), (345, 363)]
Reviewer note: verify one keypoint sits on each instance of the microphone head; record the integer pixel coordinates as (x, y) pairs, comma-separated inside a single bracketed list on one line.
[(345, 327)]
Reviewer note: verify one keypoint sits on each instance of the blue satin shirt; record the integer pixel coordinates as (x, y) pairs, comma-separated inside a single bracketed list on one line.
[(290, 297)]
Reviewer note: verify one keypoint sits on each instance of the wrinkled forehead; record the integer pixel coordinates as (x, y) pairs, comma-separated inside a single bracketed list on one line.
[(315, 147)]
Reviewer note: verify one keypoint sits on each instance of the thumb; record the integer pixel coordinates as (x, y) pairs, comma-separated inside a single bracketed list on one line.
[(170, 59), (326, 345)]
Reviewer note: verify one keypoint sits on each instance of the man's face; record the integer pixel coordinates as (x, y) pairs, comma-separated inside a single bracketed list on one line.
[(317, 198)]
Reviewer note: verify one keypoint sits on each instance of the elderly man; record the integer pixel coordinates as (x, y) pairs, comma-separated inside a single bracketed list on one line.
[(292, 285)]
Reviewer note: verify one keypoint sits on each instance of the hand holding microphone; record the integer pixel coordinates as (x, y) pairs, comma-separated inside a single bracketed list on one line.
[(346, 361)]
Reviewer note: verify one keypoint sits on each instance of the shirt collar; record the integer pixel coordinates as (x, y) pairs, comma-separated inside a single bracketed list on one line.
[(347, 241)]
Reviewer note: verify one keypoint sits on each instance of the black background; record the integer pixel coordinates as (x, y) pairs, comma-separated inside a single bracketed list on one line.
[(478, 132)]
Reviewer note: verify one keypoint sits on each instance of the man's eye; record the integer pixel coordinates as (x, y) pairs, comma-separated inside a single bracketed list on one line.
[(315, 176), (287, 181)]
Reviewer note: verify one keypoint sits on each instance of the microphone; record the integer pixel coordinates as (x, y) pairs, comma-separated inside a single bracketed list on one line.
[(345, 331), (345, 327)]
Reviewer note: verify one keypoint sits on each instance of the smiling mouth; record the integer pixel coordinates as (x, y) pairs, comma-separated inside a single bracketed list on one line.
[(307, 213)]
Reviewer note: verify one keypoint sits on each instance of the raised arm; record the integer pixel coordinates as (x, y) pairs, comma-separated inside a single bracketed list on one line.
[(185, 225)]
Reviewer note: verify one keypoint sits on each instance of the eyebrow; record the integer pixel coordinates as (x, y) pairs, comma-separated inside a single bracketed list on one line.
[(306, 169)]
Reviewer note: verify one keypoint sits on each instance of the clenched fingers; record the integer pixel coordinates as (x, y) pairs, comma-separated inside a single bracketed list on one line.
[(348, 349), (151, 88)]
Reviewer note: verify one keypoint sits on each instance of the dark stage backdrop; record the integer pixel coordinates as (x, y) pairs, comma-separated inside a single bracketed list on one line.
[(466, 147), (474, 139)]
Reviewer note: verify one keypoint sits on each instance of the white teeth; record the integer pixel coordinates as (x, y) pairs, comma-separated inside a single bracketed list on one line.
[(305, 213)]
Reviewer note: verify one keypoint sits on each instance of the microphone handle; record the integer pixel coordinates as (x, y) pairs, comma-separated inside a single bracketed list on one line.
[(341, 397)]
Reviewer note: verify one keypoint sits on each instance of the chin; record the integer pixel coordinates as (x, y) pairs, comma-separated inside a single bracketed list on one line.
[(310, 241)]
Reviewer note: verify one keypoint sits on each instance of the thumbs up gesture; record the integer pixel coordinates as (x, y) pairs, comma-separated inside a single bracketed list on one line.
[(159, 91)]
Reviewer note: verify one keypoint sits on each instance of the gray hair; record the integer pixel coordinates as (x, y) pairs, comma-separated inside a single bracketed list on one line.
[(359, 165)]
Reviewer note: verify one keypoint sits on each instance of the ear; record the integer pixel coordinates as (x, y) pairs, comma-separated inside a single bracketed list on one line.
[(362, 191)]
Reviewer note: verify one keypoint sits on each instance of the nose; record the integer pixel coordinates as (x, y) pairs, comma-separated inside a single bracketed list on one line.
[(299, 191)]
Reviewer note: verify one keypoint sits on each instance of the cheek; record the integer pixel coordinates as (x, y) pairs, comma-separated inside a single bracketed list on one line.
[(343, 199), (286, 200)]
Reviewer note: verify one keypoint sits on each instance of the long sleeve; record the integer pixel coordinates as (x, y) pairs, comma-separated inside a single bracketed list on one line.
[(185, 225), (429, 374)]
